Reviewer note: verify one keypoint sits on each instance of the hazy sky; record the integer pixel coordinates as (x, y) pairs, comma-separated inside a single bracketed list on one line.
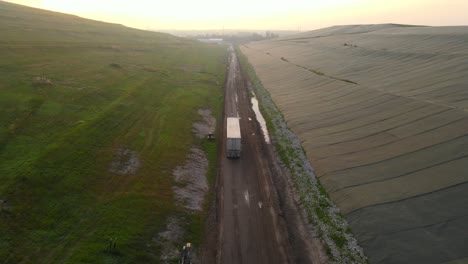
[(260, 14)]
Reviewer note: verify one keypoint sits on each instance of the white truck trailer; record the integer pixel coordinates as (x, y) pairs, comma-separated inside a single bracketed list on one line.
[(233, 138)]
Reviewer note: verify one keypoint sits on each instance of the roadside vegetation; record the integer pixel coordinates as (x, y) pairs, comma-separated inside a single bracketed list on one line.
[(335, 234), (95, 117)]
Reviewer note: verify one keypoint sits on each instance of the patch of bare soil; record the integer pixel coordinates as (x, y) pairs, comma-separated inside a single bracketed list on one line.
[(126, 162), (191, 68), (170, 240), (4, 206), (191, 180), (150, 69), (41, 81), (206, 126)]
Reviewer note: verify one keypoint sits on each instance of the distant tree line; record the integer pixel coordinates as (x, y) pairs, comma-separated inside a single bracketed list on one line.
[(239, 37)]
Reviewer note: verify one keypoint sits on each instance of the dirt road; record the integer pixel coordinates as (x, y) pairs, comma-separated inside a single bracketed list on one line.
[(251, 230), (255, 217)]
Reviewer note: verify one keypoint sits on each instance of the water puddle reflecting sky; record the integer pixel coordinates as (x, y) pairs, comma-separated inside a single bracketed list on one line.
[(260, 119)]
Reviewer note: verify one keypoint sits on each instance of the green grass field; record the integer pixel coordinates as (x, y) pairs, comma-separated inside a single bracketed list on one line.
[(73, 92)]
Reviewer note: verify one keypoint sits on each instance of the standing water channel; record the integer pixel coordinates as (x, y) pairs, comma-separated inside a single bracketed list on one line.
[(260, 118)]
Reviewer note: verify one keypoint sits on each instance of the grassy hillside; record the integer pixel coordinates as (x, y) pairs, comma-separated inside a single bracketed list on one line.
[(381, 111), (81, 100)]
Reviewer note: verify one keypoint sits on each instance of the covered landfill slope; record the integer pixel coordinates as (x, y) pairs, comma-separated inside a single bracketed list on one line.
[(381, 111)]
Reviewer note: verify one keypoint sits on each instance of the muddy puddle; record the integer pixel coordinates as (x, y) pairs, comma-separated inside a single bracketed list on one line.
[(260, 119)]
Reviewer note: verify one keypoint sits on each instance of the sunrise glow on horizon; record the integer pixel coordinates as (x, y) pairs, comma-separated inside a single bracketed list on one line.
[(260, 14)]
